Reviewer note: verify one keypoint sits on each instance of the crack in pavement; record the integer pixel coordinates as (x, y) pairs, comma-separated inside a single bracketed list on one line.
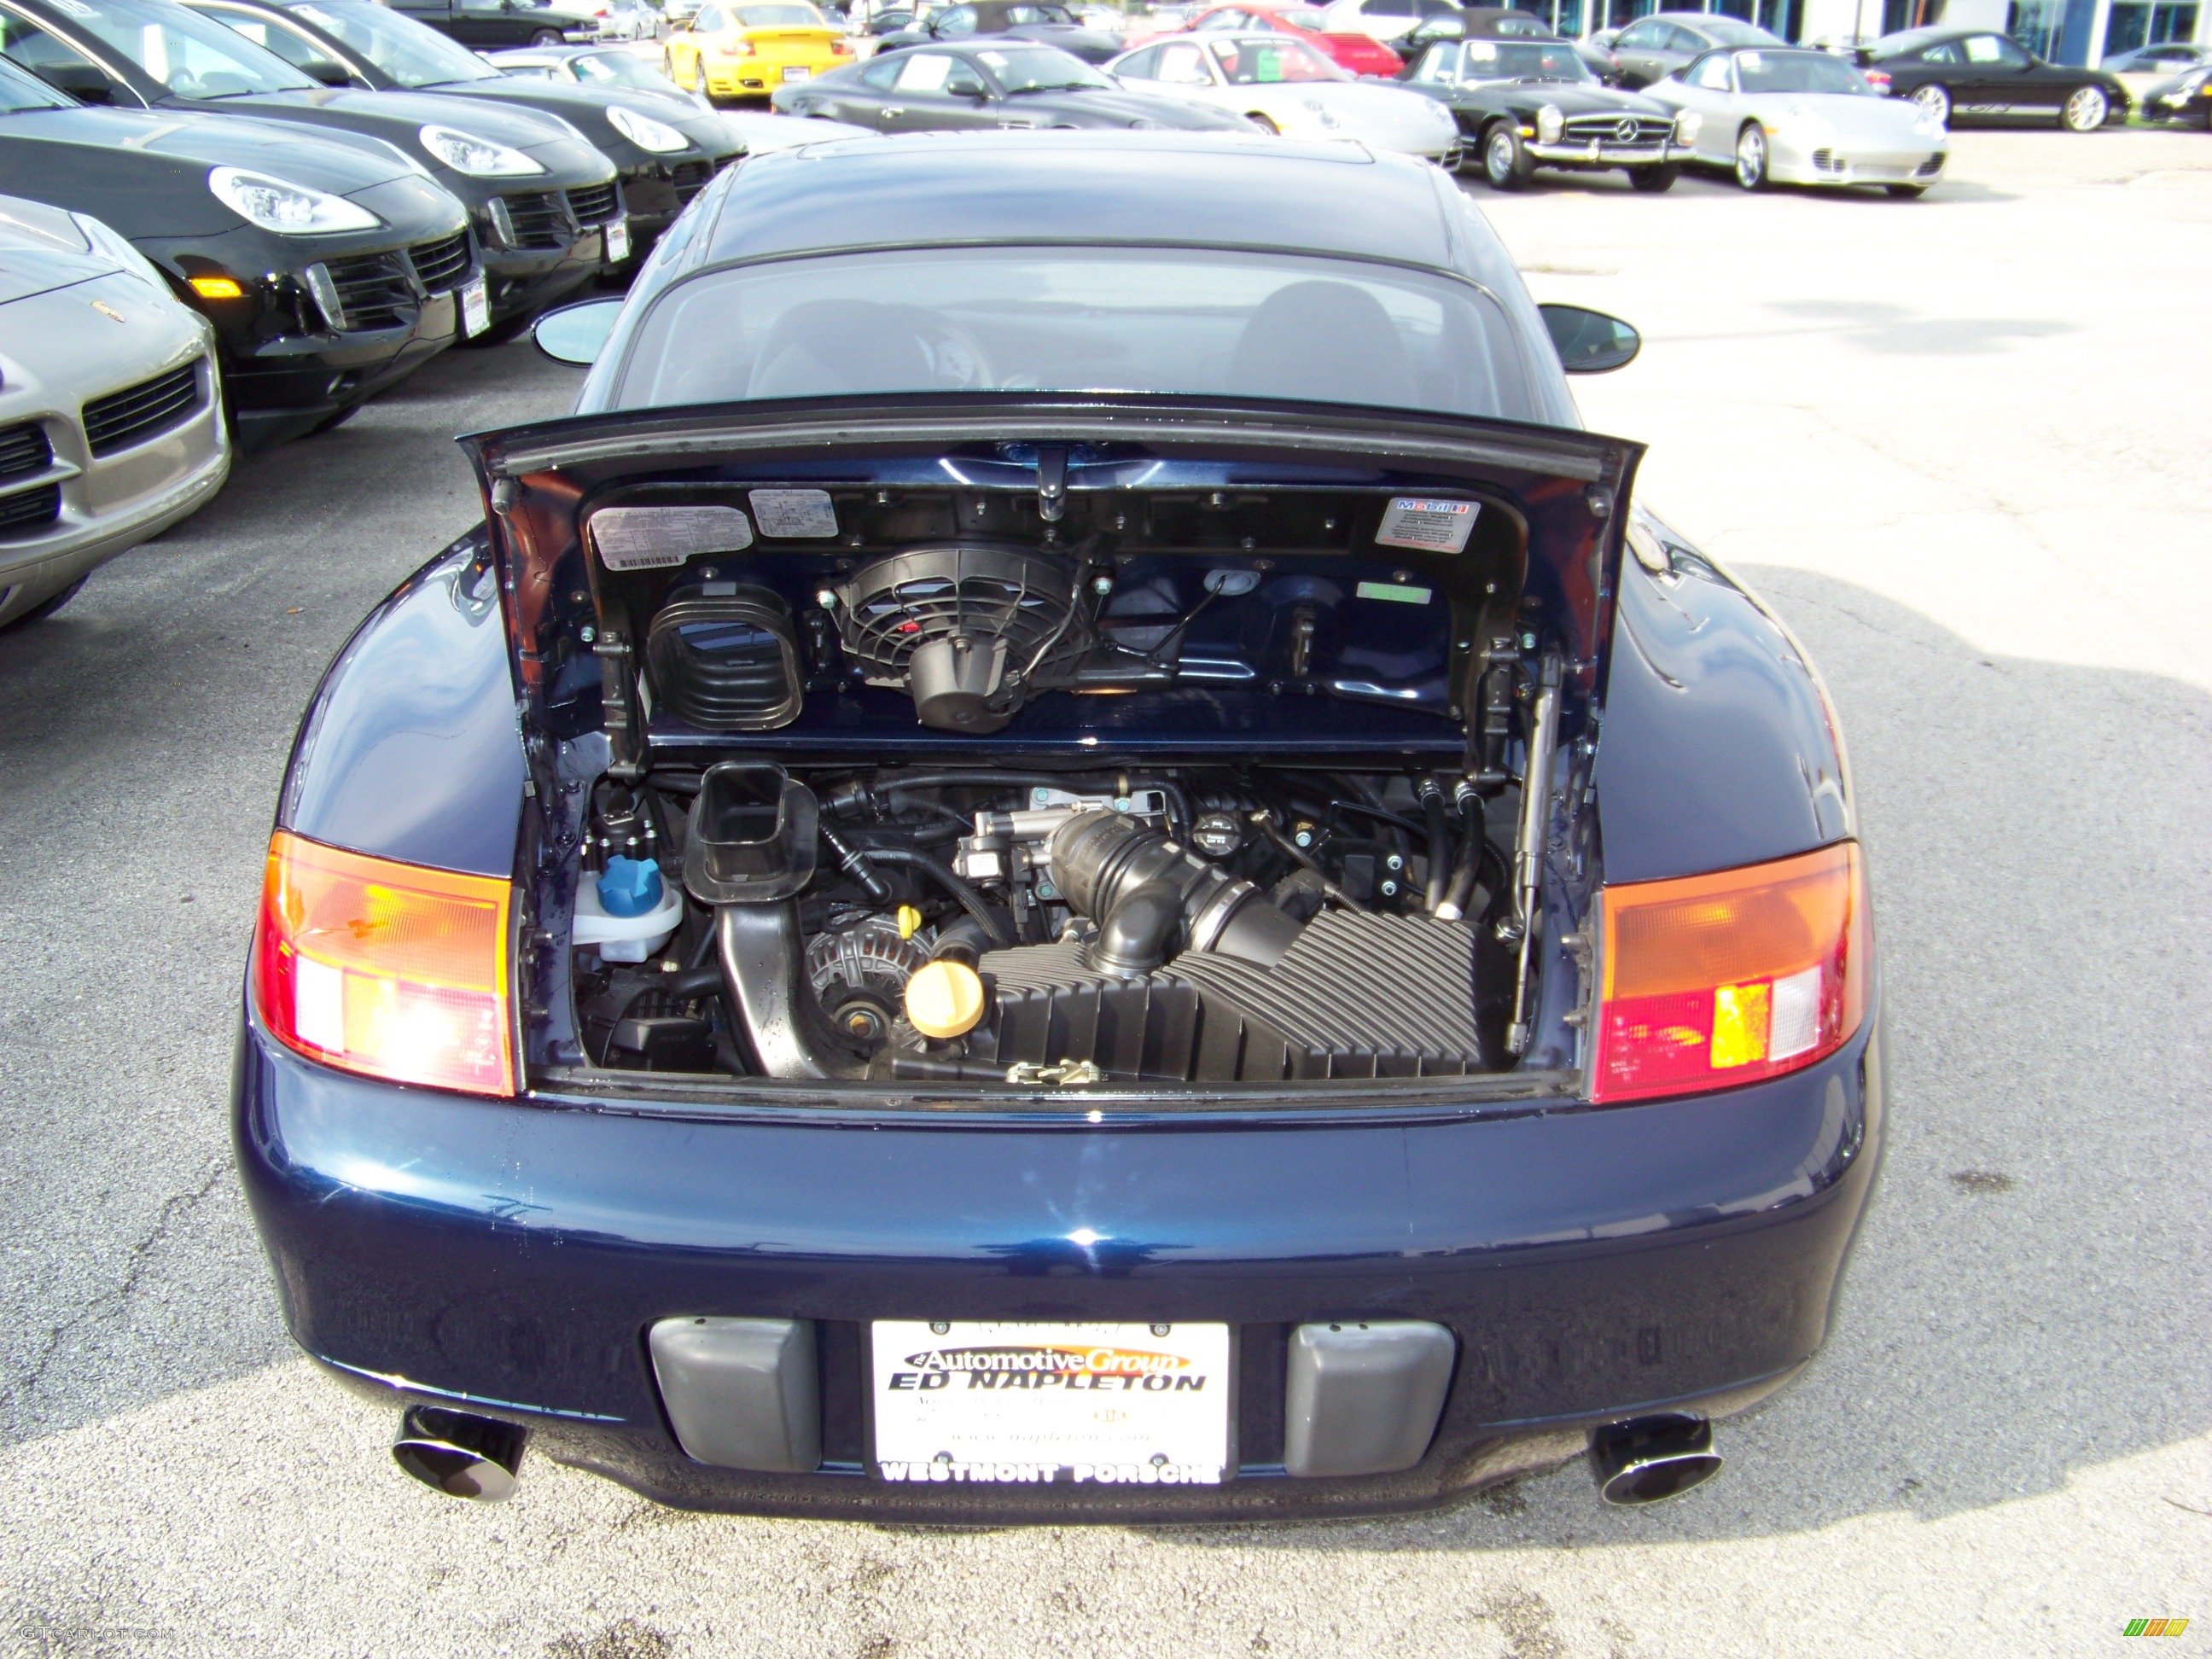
[(16, 1400)]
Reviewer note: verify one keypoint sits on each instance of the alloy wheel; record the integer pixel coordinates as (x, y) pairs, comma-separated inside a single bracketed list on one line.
[(1498, 160), (1751, 158), (1937, 101), (2085, 110)]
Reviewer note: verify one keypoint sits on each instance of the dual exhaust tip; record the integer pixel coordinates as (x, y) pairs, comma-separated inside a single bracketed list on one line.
[(1643, 1461), (1648, 1460), (460, 1454)]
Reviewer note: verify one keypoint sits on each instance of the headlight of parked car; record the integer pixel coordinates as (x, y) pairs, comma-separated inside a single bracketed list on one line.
[(287, 209), (1550, 124), (646, 132), (1687, 126), (479, 158)]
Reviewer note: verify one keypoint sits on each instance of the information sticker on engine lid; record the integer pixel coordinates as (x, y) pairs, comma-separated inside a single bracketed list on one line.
[(801, 514), (998, 1403), (1433, 527), (657, 538)]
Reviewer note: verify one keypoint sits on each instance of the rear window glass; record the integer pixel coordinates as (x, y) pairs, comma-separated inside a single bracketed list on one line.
[(1080, 320)]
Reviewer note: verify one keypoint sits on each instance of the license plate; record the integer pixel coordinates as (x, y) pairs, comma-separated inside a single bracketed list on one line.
[(794, 73), (476, 308), (618, 242), (997, 1402)]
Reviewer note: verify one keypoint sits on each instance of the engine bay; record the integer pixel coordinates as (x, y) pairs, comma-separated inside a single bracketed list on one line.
[(1054, 768)]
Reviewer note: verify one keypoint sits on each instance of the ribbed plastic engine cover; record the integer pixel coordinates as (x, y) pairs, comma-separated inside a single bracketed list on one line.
[(1356, 996)]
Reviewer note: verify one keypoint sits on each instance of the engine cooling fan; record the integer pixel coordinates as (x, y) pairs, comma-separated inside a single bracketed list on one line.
[(966, 629)]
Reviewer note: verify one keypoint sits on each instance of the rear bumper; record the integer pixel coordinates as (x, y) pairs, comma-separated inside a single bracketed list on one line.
[(1592, 1265)]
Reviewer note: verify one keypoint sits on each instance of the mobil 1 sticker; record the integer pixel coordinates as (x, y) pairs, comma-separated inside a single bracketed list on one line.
[(660, 538), (1433, 527), (801, 514)]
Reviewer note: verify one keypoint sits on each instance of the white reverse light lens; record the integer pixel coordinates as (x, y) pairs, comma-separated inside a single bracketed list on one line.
[(287, 209), (479, 158), (646, 132), (1686, 126), (1550, 124)]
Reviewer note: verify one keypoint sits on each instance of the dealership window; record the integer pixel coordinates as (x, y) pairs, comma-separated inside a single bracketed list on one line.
[(2133, 24)]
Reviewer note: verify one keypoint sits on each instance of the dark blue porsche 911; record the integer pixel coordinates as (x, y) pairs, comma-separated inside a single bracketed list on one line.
[(1069, 857)]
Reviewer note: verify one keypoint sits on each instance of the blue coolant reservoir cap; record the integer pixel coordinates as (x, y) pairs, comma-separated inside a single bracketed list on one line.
[(631, 887)]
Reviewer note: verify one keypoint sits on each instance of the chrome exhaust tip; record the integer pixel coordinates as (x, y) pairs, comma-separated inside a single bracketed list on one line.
[(1647, 1459), (460, 1454)]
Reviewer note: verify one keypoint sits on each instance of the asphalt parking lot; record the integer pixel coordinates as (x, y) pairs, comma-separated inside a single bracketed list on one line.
[(1962, 445)]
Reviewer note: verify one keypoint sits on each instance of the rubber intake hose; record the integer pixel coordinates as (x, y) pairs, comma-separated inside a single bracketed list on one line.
[(1101, 860), (1432, 810)]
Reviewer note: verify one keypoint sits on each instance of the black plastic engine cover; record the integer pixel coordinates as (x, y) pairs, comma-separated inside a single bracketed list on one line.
[(1356, 996)]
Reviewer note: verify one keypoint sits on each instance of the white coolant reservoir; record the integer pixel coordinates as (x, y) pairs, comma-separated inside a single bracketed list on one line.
[(630, 937)]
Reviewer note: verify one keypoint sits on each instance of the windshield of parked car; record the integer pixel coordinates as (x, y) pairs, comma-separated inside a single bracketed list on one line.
[(194, 57), (1300, 17), (607, 69), (1264, 63), (1732, 32), (413, 54), (1798, 71), (20, 90), (1080, 319), (776, 17), (1040, 70), (1521, 60)]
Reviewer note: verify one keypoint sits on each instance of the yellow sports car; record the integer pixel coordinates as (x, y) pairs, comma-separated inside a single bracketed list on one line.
[(737, 51)]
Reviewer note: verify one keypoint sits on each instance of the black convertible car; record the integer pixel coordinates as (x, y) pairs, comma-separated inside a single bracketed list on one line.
[(664, 148), (330, 267), (1964, 77), (993, 84), (944, 944), (1041, 22), (505, 164), (1524, 104)]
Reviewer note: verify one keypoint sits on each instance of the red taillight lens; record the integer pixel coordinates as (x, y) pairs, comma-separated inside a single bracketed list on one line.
[(1878, 79), (1711, 982), (390, 969)]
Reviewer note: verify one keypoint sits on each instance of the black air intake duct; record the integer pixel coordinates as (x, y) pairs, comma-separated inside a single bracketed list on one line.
[(723, 658)]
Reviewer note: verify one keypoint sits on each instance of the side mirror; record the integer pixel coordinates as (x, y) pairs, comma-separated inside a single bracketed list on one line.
[(1587, 342), (575, 334), (325, 72)]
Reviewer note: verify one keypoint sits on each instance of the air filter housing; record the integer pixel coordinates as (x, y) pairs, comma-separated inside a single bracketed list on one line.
[(966, 630), (723, 658)]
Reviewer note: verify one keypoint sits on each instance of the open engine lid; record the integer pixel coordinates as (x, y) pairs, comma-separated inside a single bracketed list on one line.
[(1245, 577)]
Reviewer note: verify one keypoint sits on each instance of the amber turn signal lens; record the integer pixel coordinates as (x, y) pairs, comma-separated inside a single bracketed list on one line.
[(1715, 981), (218, 287), (392, 970)]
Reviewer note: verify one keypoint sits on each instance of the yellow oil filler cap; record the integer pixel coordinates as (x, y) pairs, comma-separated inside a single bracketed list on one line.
[(944, 999)]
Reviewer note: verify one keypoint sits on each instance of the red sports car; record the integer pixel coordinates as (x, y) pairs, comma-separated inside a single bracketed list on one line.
[(1357, 53)]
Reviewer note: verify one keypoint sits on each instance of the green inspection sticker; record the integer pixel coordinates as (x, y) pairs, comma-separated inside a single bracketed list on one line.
[(1392, 592)]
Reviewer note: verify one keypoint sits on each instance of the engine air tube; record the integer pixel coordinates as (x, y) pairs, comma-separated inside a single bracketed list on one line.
[(1102, 861), (1432, 810)]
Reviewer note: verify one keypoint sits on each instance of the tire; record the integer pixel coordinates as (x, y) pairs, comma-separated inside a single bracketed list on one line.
[(1936, 100), (45, 607), (1653, 180), (1506, 162), (1264, 124), (1751, 156), (2085, 109), (546, 37), (1906, 192)]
